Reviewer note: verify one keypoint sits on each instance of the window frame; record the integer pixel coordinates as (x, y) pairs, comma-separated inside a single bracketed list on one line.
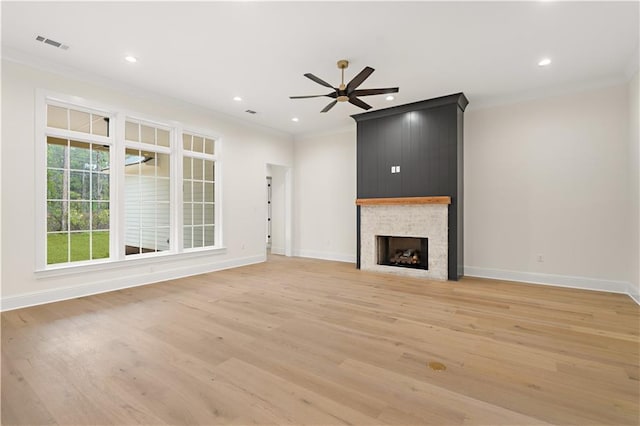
[(142, 146), (43, 132), (117, 147), (217, 198)]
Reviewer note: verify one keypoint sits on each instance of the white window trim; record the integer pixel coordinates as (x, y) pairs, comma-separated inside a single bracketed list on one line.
[(116, 141), (217, 200), (44, 98)]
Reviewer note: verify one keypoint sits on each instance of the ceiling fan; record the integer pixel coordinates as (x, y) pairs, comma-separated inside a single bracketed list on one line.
[(348, 92)]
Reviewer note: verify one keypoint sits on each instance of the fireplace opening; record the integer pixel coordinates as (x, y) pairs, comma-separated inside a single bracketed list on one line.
[(405, 252)]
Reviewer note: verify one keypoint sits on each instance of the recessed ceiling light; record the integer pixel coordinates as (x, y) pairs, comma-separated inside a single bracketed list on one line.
[(389, 98), (296, 119), (544, 62), (237, 98), (131, 59)]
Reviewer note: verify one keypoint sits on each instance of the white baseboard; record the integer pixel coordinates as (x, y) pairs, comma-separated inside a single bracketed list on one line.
[(58, 294), (583, 283), (277, 250), (338, 257), (633, 292)]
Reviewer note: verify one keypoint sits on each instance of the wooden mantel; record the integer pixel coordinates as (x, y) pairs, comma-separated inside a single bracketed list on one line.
[(402, 201)]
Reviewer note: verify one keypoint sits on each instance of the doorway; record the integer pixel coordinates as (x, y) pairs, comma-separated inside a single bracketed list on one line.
[(278, 210)]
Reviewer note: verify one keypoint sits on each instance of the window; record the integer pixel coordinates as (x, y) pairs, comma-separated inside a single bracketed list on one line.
[(78, 186), (198, 191), (113, 187), (147, 188)]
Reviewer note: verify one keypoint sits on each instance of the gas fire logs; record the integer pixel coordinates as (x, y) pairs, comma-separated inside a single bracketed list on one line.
[(405, 257)]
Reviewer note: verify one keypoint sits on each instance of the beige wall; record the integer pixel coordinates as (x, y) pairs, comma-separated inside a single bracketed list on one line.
[(549, 178), (324, 194)]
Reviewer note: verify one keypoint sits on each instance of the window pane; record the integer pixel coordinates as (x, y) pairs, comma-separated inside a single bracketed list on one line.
[(56, 152), (197, 191), (77, 171), (57, 117), (57, 216), (209, 192), (55, 181), (208, 214), (209, 171), (187, 211), (100, 216), (209, 236), (79, 155), (198, 144), (186, 164), (80, 121), (79, 185), (147, 195), (187, 192), (133, 161), (197, 168), (79, 246), (148, 214), (79, 216), (100, 186), (163, 190), (208, 146), (131, 131), (163, 239), (100, 125), (99, 158), (162, 218), (148, 134), (188, 240), (197, 214), (148, 240), (186, 141), (57, 248), (163, 137), (163, 165), (100, 245), (197, 236)]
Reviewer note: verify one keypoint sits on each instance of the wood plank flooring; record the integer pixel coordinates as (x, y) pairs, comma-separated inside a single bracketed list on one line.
[(300, 341)]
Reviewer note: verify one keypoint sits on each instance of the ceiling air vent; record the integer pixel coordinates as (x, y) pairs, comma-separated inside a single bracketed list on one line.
[(52, 42), (250, 111)]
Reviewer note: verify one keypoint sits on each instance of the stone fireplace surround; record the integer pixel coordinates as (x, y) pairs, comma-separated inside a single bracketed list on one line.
[(424, 217)]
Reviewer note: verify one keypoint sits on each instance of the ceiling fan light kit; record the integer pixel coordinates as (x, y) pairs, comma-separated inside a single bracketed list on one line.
[(348, 92)]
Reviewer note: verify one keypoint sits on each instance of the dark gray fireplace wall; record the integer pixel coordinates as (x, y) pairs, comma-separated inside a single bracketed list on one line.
[(424, 141)]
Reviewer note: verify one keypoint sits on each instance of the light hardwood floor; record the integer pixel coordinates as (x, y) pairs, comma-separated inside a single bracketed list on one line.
[(299, 341)]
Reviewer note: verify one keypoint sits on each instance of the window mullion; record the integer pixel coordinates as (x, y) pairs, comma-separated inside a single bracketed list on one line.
[(117, 198)]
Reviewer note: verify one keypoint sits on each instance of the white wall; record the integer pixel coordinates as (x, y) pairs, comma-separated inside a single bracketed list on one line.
[(549, 178), (325, 194), (634, 187), (245, 150)]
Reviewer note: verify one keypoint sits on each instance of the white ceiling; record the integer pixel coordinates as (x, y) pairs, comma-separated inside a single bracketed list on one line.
[(208, 52)]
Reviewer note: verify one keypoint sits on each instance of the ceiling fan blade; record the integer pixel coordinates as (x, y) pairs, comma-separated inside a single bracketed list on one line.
[(359, 103), (328, 107), (358, 79), (318, 80), (369, 92), (330, 95)]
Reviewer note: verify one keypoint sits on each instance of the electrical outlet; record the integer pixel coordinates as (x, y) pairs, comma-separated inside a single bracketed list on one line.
[(540, 258)]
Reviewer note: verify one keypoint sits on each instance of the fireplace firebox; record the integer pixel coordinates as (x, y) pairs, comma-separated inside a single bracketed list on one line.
[(405, 252)]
